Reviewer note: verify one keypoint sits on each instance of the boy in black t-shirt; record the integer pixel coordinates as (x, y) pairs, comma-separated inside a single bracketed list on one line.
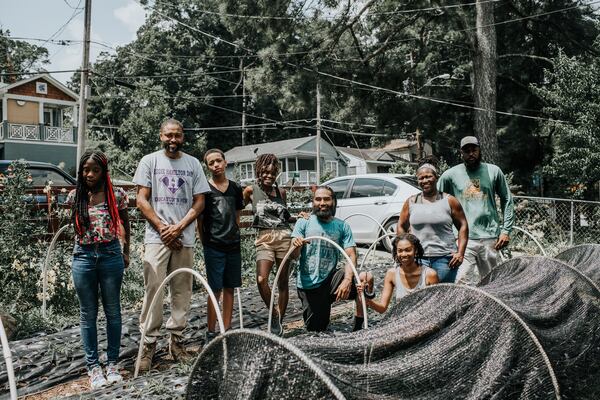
[(218, 228)]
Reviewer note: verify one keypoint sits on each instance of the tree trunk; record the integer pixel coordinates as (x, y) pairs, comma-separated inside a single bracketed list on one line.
[(484, 80)]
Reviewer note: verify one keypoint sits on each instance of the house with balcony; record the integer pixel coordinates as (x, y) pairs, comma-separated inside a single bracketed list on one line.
[(39, 118), (298, 161)]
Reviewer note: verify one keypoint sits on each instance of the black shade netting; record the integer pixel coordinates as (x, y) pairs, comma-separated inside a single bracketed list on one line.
[(443, 342), (562, 308), (586, 258), (245, 364)]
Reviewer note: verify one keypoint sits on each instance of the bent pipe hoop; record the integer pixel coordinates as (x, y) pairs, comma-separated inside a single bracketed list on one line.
[(8, 359), (289, 253), (373, 246), (366, 216), (283, 343), (530, 235), (45, 266), (153, 303), (240, 308)]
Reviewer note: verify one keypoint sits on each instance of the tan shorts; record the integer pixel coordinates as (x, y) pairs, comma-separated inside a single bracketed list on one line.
[(272, 244)]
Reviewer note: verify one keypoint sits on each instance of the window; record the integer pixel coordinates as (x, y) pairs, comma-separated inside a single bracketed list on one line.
[(351, 170), (411, 180), (367, 187), (42, 176), (339, 187), (389, 189), (247, 171), (291, 165), (306, 164), (382, 169), (332, 166)]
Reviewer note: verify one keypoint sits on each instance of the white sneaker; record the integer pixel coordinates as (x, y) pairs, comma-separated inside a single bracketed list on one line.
[(113, 375), (97, 379)]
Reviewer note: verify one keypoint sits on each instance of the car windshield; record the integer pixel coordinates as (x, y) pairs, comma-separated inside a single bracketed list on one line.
[(411, 180)]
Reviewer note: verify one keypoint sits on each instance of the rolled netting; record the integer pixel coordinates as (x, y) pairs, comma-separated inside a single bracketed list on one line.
[(434, 344), (562, 307), (263, 366), (585, 258)]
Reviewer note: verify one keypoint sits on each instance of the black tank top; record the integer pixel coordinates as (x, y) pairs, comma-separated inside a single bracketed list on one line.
[(270, 212)]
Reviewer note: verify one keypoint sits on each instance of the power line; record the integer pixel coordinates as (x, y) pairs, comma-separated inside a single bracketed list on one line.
[(410, 11), (62, 71), (336, 130), (455, 104)]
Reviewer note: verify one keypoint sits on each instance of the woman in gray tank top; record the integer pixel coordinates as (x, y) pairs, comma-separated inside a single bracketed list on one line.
[(408, 275), (430, 216)]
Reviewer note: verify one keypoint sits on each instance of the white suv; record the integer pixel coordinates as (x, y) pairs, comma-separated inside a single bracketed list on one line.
[(381, 196)]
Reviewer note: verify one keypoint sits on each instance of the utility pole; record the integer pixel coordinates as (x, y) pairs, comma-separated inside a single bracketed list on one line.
[(318, 134), (84, 87), (419, 144), (243, 104)]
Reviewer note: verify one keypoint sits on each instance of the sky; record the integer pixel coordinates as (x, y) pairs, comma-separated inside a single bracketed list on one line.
[(114, 22)]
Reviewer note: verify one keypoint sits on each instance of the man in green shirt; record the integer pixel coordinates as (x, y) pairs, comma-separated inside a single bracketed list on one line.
[(475, 184)]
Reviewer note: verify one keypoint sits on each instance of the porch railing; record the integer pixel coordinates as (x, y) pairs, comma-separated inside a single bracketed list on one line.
[(41, 133), (303, 177)]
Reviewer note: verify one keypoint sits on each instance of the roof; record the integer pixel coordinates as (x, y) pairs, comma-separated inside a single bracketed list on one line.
[(396, 144), (367, 154), (5, 88), (281, 148)]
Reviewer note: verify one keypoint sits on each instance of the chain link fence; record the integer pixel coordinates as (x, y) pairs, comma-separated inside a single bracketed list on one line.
[(556, 224)]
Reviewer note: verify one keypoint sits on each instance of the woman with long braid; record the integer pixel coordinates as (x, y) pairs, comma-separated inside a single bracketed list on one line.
[(99, 214), (271, 219)]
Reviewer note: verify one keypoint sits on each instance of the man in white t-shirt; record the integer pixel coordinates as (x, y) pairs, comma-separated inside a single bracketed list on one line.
[(170, 195)]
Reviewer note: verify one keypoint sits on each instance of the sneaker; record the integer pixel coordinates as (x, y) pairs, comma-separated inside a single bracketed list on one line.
[(177, 349), (276, 327), (112, 374), (147, 356), (209, 337), (97, 379)]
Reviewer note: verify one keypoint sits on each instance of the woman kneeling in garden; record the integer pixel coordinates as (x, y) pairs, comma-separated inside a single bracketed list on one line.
[(99, 214), (408, 274)]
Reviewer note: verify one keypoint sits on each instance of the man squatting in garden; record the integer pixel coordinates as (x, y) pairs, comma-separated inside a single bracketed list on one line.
[(319, 282), (170, 195), (218, 229), (271, 219), (99, 214), (475, 184)]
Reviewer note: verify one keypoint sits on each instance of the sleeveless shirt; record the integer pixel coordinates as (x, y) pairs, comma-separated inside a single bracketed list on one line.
[(432, 224), (402, 291), (270, 212)]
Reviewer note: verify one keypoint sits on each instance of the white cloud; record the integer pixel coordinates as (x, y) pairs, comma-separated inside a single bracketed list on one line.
[(132, 16)]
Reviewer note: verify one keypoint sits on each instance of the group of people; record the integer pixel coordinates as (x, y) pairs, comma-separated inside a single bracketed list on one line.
[(179, 203)]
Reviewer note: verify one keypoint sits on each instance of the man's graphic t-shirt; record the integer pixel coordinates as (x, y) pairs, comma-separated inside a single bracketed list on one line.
[(319, 258), (476, 191), (174, 182)]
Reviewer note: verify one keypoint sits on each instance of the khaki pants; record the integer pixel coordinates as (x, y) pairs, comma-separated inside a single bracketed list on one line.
[(159, 261), (480, 259)]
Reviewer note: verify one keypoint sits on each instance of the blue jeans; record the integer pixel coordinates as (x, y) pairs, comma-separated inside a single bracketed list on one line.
[(99, 268), (440, 264)]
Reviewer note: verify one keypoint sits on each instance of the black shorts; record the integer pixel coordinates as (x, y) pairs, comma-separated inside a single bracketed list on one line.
[(316, 303), (223, 270)]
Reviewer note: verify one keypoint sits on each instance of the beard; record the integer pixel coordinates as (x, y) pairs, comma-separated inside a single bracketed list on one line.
[(323, 214), (475, 163), (167, 147)]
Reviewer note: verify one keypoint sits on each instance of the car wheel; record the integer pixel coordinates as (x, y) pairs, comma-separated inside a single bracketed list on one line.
[(390, 227)]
